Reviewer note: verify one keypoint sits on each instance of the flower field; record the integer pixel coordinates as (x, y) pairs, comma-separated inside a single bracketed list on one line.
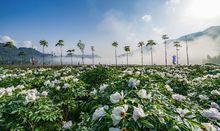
[(112, 99)]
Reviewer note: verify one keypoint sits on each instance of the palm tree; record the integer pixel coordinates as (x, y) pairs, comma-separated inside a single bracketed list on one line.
[(177, 45), (127, 50), (165, 38), (43, 43), (141, 45), (70, 53), (93, 56), (9, 45), (151, 43), (187, 51), (81, 47), (61, 44), (21, 54), (115, 44)]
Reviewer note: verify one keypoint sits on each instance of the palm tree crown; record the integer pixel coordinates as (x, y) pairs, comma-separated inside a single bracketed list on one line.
[(81, 45), (141, 44), (127, 48), (60, 43), (92, 48), (177, 44), (9, 44), (150, 43), (43, 43), (115, 44), (165, 37)]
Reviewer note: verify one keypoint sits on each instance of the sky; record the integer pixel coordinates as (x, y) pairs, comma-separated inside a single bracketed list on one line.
[(100, 22)]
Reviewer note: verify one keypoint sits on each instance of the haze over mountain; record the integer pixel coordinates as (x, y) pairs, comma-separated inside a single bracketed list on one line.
[(201, 44)]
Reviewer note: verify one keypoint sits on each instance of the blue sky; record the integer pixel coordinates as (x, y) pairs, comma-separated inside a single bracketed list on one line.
[(99, 22)]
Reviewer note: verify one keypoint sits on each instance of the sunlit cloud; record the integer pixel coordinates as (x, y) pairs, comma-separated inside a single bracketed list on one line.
[(147, 18)]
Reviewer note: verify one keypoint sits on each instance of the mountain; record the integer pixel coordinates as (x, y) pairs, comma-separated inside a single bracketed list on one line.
[(10, 55), (212, 32)]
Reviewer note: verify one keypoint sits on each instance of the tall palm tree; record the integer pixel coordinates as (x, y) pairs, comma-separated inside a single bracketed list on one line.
[(70, 53), (44, 44), (165, 38), (9, 45), (61, 44), (177, 45), (187, 51), (81, 47), (115, 44), (151, 43), (127, 50), (21, 54), (93, 55), (141, 45)]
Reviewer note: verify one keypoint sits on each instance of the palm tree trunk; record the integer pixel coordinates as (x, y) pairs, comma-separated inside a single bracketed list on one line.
[(83, 57), (177, 57), (116, 61), (71, 59), (152, 62), (61, 54), (187, 51), (142, 57), (43, 55), (165, 53), (127, 59), (92, 58)]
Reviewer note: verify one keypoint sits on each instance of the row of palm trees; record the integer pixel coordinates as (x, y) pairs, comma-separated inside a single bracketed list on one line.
[(70, 52), (127, 49), (151, 43), (141, 45)]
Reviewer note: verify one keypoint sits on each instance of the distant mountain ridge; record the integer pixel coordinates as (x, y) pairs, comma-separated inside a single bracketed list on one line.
[(212, 32), (11, 54)]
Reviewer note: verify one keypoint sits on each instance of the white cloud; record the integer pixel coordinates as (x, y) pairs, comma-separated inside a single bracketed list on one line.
[(158, 30), (173, 2), (27, 44), (147, 18), (5, 39)]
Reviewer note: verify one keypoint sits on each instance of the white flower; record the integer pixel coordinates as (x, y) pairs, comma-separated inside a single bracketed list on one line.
[(44, 93), (214, 105), (182, 112), (57, 87), (66, 85), (2, 91), (30, 97), (133, 82), (178, 97), (142, 93), (75, 79), (137, 73), (127, 72), (211, 113), (138, 113), (67, 125), (209, 127), (215, 92), (203, 97), (94, 92), (100, 112), (168, 88), (103, 87), (47, 83), (20, 87), (116, 97), (118, 113), (113, 129), (8, 91)]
